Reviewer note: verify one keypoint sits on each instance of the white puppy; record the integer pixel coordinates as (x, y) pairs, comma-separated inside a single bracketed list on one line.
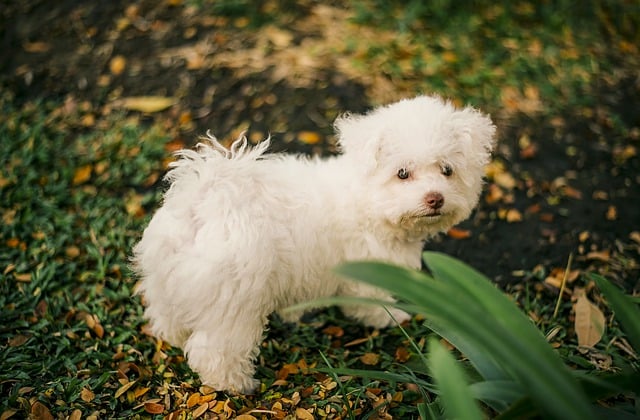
[(242, 234)]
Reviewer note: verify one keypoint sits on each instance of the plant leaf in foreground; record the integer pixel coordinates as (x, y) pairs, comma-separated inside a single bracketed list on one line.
[(466, 303)]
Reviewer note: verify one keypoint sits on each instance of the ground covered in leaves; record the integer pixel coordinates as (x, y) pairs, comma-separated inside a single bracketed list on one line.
[(96, 95)]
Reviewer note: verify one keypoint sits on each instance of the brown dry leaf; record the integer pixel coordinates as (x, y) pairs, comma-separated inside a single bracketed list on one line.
[(635, 236), (36, 47), (494, 194), (333, 331), (82, 174), (200, 410), (370, 359), (357, 341), (303, 414), (94, 325), (117, 65), (124, 388), (505, 180), (23, 278), (76, 414), (153, 408), (402, 355), (246, 417), (148, 104), (309, 137), (457, 233), (612, 213), (40, 411), (513, 216), (589, 322), (288, 369), (139, 392), (193, 400), (572, 193), (18, 340), (72, 251), (133, 205), (603, 256), (87, 395)]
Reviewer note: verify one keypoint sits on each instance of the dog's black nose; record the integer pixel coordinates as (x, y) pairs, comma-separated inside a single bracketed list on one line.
[(434, 200)]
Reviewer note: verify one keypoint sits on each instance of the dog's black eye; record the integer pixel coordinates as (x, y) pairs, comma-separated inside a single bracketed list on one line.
[(446, 170), (403, 173)]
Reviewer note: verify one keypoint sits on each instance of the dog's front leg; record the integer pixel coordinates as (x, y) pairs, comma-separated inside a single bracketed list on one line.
[(377, 316)]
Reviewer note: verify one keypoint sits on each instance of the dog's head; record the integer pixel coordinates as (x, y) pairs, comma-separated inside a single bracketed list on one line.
[(420, 161)]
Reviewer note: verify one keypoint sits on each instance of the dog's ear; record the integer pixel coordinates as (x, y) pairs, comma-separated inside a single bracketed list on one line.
[(477, 132), (358, 136)]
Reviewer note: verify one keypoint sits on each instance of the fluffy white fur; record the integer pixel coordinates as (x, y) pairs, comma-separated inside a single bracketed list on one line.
[(243, 233)]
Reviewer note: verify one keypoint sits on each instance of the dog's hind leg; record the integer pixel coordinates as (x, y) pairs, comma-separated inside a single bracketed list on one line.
[(223, 353)]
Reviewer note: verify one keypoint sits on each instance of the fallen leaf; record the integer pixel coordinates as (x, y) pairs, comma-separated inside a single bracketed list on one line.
[(494, 194), (153, 408), (117, 65), (505, 180), (147, 104), (333, 331), (309, 137), (288, 369), (303, 414), (589, 320), (370, 359), (200, 410), (23, 278), (82, 174), (635, 236), (40, 411), (245, 417), (94, 325), (72, 251), (7, 414), (124, 388), (599, 255), (457, 233), (193, 400), (402, 355), (18, 340), (612, 213), (87, 395), (36, 47), (76, 414), (572, 193)]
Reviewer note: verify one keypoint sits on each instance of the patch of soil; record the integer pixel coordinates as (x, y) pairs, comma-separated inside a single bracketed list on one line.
[(576, 180)]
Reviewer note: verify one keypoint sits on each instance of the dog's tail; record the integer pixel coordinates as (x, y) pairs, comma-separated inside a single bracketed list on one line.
[(210, 150)]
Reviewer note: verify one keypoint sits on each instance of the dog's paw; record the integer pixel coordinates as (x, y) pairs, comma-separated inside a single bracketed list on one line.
[(398, 316)]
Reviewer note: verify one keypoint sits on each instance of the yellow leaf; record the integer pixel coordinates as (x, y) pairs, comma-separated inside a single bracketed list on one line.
[(309, 137), (82, 174), (76, 414), (589, 322), (505, 180), (193, 400), (370, 359), (40, 411), (303, 414), (124, 388), (147, 103), (87, 395), (117, 65), (200, 410)]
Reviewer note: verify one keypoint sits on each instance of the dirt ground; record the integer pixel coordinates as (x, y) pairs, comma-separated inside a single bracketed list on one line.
[(576, 188)]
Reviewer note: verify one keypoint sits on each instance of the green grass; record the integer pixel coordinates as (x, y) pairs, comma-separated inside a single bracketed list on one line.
[(75, 198)]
